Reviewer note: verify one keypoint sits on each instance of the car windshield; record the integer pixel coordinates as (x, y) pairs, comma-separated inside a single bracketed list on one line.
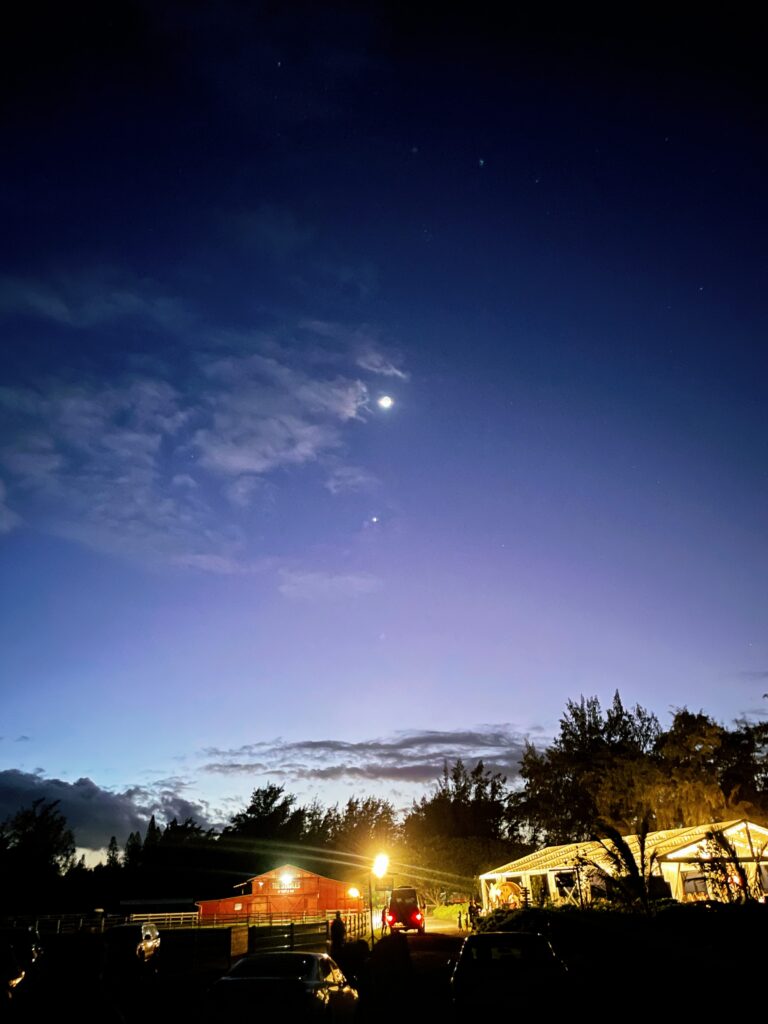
[(124, 936), (404, 896), (275, 965), (505, 951)]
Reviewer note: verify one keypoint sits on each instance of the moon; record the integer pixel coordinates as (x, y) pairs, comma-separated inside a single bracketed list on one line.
[(386, 401)]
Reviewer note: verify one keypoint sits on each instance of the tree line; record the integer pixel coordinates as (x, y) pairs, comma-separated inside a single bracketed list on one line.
[(606, 771)]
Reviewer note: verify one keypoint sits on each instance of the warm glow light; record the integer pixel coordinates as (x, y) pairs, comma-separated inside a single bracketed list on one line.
[(380, 865), (386, 402), (286, 879), (353, 893)]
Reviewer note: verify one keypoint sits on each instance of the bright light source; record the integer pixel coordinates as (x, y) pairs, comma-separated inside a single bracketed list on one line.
[(386, 402), (286, 879), (380, 865), (353, 893)]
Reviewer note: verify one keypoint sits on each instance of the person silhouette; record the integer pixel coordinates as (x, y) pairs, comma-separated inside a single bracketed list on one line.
[(338, 934)]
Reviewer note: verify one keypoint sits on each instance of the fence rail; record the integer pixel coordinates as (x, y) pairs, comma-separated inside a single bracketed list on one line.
[(357, 924), (188, 919)]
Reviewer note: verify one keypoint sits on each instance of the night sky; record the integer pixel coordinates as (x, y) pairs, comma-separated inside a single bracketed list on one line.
[(229, 230)]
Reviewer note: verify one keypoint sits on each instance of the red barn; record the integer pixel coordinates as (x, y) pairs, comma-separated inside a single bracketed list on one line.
[(287, 893)]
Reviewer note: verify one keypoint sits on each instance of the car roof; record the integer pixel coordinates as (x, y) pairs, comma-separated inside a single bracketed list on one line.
[(283, 955), (133, 930), (506, 939), (280, 959)]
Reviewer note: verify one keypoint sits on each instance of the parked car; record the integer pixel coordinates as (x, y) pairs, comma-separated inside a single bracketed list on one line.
[(12, 974), (131, 948), (500, 970), (404, 910), (20, 952), (298, 985)]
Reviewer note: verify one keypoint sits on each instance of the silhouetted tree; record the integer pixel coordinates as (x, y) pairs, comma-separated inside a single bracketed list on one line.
[(151, 842), (365, 824), (742, 767), (271, 814), (592, 771), (464, 804), (630, 878), (36, 848), (132, 852), (113, 855), (269, 829), (460, 829)]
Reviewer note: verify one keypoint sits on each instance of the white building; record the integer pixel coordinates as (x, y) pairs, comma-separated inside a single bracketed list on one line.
[(688, 860)]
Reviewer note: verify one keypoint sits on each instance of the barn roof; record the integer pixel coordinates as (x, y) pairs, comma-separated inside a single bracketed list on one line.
[(292, 869)]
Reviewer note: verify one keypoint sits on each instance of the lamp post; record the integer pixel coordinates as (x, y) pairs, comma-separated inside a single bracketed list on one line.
[(380, 865)]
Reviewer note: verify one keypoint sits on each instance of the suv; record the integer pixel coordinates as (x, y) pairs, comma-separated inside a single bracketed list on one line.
[(404, 911)]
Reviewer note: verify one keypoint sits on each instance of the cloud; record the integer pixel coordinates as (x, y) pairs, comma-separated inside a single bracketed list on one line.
[(86, 300), (351, 480), (407, 757), (94, 463), (218, 565), (252, 444), (322, 586), (760, 674), (364, 341), (265, 414), (375, 362), (161, 472), (93, 813), (244, 490)]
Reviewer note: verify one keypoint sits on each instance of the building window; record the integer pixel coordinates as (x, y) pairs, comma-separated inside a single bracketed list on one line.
[(694, 884)]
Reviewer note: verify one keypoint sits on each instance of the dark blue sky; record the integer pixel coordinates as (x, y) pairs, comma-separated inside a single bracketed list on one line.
[(229, 230)]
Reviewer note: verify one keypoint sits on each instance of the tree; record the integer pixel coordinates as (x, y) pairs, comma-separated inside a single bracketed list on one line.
[(630, 877), (113, 854), (270, 827), (742, 767), (184, 861), (592, 771), (621, 768), (39, 837), (689, 791), (461, 828), (464, 804), (151, 842), (365, 824), (271, 814), (132, 852), (36, 848)]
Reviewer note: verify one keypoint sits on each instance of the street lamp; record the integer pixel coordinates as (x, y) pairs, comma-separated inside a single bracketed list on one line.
[(380, 865)]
